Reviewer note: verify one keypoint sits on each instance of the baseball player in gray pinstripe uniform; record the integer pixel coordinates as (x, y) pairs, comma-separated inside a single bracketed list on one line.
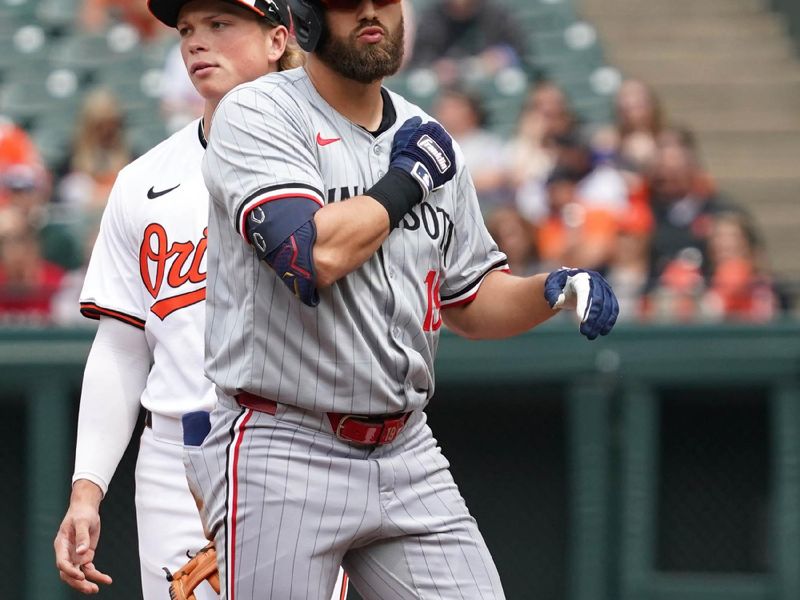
[(343, 232)]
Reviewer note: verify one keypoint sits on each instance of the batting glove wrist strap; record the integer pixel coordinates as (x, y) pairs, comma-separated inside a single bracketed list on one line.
[(425, 152), (398, 192), (588, 294)]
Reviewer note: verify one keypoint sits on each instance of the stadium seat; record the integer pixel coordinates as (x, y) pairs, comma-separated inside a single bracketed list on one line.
[(57, 16), (53, 143), (134, 85), (18, 11), (143, 127), (27, 41), (419, 86), (154, 53), (24, 101), (503, 96), (87, 54)]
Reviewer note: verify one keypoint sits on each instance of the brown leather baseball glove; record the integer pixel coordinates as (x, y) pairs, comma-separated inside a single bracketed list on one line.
[(201, 567)]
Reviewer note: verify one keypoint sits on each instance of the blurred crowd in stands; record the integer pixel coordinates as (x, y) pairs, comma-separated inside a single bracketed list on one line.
[(629, 198)]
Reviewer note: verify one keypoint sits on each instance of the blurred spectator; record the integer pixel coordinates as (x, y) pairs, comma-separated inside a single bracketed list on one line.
[(679, 289), (545, 115), (514, 236), (628, 269), (574, 232), (683, 137), (180, 102), (99, 150), (27, 281), (464, 117), (599, 184), (474, 38), (97, 15), (639, 121), (739, 287), (683, 208), (27, 188)]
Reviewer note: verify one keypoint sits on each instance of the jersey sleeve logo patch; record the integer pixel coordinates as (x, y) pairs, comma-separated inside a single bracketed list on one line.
[(432, 149), (325, 141), (152, 194)]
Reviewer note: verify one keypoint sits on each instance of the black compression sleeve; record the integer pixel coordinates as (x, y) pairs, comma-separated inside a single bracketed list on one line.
[(398, 192)]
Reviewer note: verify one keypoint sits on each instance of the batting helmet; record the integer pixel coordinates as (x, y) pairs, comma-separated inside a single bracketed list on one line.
[(309, 22), (274, 11)]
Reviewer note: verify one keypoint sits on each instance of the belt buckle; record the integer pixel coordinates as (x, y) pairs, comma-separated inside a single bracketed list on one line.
[(340, 429), (379, 431)]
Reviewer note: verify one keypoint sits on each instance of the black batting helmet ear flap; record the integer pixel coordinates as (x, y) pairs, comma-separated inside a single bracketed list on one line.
[(309, 20)]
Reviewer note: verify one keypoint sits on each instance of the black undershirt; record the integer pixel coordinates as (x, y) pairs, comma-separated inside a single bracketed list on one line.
[(389, 115)]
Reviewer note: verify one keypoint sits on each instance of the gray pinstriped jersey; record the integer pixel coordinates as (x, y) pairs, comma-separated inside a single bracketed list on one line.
[(369, 346)]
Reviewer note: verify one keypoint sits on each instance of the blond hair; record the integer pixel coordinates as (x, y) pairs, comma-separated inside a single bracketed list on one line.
[(292, 57), (99, 145)]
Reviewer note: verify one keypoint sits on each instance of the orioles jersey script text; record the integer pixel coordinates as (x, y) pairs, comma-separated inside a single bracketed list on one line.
[(180, 262)]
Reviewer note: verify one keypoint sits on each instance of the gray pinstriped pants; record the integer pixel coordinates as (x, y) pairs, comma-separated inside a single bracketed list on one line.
[(288, 503)]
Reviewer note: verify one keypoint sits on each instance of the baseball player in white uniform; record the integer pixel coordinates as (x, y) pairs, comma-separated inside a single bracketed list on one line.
[(344, 231), (146, 283)]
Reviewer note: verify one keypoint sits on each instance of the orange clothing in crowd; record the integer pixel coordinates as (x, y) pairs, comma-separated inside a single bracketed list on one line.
[(638, 218), (560, 239), (16, 147), (741, 293)]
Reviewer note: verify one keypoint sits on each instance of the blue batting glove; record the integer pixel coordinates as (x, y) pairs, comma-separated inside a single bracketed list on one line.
[(588, 294), (424, 151), (402, 136)]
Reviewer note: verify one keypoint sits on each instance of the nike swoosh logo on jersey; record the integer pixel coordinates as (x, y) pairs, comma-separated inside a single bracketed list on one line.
[(152, 194), (325, 141)]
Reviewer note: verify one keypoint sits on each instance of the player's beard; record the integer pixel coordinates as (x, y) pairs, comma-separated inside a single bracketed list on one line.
[(367, 64)]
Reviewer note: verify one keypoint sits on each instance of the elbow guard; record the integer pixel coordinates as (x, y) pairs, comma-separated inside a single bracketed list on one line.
[(284, 237)]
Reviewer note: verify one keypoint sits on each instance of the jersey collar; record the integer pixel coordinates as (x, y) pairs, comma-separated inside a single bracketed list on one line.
[(389, 115), (200, 134)]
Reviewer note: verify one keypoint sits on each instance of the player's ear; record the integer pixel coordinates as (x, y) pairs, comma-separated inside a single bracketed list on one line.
[(276, 42)]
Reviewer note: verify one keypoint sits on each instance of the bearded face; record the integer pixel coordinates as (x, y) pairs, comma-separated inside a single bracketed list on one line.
[(363, 62)]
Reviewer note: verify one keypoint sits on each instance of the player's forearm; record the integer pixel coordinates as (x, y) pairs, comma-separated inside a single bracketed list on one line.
[(505, 306), (115, 376), (348, 234)]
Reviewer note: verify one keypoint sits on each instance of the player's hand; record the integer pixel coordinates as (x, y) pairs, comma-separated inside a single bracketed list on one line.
[(424, 151), (76, 542), (588, 294)]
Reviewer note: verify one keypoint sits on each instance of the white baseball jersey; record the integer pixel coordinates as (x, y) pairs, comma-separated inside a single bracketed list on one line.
[(276, 138), (148, 268)]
